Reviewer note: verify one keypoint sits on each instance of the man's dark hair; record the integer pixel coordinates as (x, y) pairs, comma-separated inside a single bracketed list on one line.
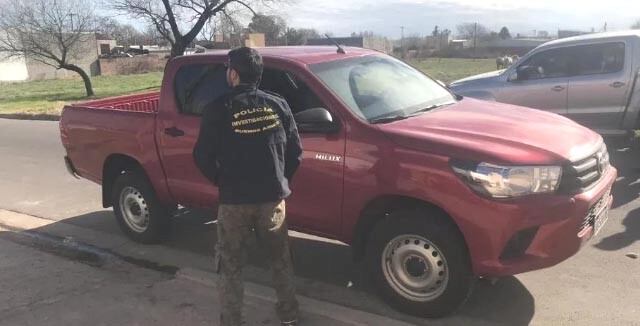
[(247, 62)]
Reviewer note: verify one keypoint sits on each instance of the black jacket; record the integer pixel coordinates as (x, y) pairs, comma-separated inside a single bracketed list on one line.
[(249, 146)]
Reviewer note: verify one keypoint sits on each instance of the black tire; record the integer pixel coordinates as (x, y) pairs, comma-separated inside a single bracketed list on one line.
[(158, 220), (445, 240)]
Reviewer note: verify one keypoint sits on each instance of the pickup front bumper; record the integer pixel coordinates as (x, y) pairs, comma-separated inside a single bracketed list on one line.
[(541, 232)]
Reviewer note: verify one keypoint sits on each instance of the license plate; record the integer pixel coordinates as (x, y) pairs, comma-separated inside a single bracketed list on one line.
[(602, 218)]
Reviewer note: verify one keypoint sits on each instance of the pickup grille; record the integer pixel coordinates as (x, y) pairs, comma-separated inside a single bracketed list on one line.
[(581, 175)]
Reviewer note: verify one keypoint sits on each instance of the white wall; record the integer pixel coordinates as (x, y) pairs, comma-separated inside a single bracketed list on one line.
[(13, 69)]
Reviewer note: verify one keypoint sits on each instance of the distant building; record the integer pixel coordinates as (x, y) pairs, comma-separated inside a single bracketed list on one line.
[(439, 42), (377, 43), (13, 69), (24, 68), (255, 40), (460, 44), (543, 34), (221, 42)]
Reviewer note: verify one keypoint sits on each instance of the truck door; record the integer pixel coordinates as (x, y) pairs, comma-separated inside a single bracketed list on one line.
[(193, 87), (599, 88), (316, 202), (540, 82)]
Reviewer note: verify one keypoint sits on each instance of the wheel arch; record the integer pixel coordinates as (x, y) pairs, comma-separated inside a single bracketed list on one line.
[(379, 208), (114, 165)]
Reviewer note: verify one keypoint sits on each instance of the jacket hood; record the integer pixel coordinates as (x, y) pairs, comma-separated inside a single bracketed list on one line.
[(495, 133)]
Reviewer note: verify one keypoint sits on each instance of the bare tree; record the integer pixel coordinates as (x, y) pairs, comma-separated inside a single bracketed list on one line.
[(53, 32), (472, 30), (153, 37), (124, 34), (224, 23), (172, 17)]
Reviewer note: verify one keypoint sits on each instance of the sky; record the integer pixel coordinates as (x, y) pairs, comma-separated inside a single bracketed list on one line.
[(341, 17)]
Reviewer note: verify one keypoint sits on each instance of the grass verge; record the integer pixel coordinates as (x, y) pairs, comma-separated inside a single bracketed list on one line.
[(44, 99), (449, 69)]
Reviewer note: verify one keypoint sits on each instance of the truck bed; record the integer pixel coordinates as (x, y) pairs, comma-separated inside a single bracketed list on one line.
[(146, 102), (93, 131)]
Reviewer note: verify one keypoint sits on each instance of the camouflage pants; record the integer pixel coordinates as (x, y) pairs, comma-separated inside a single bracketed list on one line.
[(236, 224)]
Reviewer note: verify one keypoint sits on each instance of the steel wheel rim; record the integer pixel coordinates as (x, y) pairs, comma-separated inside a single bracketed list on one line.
[(134, 209), (415, 268)]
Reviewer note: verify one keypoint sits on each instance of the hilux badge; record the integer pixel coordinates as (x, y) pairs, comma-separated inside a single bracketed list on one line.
[(328, 157)]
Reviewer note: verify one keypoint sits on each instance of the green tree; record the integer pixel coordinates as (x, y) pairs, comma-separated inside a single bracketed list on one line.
[(636, 25), (504, 33), (273, 27), (299, 36)]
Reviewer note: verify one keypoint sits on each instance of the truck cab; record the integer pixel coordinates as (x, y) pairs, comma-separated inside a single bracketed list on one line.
[(590, 79)]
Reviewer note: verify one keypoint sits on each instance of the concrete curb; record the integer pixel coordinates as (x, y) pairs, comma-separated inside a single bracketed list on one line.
[(26, 116), (78, 238)]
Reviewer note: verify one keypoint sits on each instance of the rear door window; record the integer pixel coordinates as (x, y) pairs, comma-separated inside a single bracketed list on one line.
[(599, 58), (198, 85)]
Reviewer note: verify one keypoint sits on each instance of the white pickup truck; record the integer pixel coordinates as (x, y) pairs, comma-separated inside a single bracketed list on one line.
[(591, 79)]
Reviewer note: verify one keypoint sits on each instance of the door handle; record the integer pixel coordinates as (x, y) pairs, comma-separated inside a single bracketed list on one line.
[(617, 84), (174, 132), (558, 88)]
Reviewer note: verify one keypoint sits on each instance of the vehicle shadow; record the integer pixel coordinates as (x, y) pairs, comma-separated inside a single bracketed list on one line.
[(627, 187), (625, 238), (626, 190), (329, 273)]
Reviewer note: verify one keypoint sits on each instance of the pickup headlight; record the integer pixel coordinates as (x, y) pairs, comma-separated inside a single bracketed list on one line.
[(509, 181)]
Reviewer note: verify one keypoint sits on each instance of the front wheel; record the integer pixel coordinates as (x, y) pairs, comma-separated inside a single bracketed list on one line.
[(420, 263), (140, 214)]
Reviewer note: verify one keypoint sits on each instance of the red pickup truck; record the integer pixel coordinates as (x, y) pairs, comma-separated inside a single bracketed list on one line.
[(434, 190)]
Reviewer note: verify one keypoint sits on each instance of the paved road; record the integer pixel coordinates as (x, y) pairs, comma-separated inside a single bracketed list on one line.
[(59, 286), (599, 286)]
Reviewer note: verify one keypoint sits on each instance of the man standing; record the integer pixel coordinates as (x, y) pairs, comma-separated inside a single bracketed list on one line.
[(249, 147)]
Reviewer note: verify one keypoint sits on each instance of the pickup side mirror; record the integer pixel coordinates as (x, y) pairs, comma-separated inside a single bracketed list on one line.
[(316, 120)]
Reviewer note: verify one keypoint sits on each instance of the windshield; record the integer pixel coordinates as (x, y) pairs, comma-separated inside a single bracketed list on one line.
[(379, 86)]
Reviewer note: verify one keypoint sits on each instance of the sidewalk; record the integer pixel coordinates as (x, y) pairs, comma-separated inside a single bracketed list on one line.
[(53, 282)]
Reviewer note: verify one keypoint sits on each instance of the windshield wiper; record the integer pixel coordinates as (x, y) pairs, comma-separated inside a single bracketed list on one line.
[(429, 108), (387, 119)]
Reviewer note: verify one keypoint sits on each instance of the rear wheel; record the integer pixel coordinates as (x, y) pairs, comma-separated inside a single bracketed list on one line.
[(420, 263), (140, 214)]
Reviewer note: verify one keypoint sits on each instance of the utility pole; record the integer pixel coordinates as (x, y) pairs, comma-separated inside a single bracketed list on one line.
[(402, 41), (475, 38), (71, 15)]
